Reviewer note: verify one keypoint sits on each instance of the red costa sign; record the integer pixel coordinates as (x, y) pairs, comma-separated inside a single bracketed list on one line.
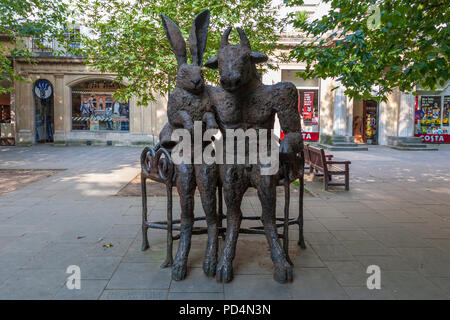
[(434, 138), (307, 136)]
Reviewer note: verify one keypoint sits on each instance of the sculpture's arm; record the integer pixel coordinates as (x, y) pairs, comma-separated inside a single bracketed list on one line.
[(178, 118), (287, 111)]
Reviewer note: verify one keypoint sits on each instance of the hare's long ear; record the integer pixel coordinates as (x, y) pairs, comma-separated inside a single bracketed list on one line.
[(198, 36), (176, 39)]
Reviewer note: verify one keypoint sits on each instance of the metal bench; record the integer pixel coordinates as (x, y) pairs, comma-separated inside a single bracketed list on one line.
[(157, 165)]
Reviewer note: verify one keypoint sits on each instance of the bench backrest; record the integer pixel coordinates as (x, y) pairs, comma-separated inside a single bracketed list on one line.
[(317, 158), (306, 153)]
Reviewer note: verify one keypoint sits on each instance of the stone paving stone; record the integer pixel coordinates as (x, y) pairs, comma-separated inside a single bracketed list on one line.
[(325, 212), (123, 231), (118, 249), (98, 268), (362, 293), (351, 235), (314, 283), (140, 276), (90, 290), (397, 237), (305, 258), (338, 224), (429, 261), (370, 220), (442, 283), (134, 295), (257, 287), (320, 238), (196, 296), (33, 284), (367, 248), (332, 252), (348, 273), (311, 226), (59, 255), (410, 285), (252, 257), (386, 263), (196, 281)]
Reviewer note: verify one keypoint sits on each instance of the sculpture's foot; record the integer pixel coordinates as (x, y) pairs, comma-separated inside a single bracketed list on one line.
[(179, 270), (282, 271), (224, 272)]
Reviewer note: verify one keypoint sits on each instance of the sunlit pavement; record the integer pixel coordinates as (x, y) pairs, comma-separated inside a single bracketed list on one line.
[(396, 216)]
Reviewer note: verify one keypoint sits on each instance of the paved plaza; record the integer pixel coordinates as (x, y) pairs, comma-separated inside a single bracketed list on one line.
[(396, 216)]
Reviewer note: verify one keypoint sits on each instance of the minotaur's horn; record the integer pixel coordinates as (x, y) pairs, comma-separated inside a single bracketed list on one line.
[(244, 40), (224, 39)]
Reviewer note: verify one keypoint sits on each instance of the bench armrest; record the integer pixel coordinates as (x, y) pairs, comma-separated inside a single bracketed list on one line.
[(339, 162)]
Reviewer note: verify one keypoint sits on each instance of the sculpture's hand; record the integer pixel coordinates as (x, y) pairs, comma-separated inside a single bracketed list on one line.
[(290, 146), (210, 121)]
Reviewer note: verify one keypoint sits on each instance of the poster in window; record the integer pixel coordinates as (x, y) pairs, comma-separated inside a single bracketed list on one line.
[(446, 111), (431, 108), (308, 109)]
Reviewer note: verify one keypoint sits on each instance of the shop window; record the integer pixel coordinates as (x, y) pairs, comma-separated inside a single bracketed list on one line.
[(308, 103), (95, 109), (432, 118)]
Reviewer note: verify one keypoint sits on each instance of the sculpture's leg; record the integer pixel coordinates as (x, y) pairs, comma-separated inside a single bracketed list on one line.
[(234, 185), (169, 258), (145, 244), (206, 177), (186, 188), (266, 186), (301, 239)]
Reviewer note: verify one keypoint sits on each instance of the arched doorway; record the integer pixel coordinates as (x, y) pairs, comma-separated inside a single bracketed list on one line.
[(44, 115)]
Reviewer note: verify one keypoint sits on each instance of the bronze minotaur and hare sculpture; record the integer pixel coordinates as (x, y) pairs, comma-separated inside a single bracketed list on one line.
[(241, 102)]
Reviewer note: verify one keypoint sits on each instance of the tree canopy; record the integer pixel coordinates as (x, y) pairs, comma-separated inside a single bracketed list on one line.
[(378, 44), (127, 37), (42, 19)]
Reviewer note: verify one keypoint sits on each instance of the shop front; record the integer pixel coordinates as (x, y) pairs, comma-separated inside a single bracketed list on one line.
[(308, 104), (432, 115), (65, 102)]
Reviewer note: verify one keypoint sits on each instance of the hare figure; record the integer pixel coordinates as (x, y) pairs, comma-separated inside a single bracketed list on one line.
[(190, 102)]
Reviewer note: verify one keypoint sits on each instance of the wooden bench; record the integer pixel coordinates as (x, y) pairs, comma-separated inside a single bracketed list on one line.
[(308, 160), (320, 162)]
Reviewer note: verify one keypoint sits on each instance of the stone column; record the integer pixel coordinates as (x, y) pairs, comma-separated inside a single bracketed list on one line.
[(406, 115), (24, 112), (349, 131), (340, 111), (58, 112), (382, 125)]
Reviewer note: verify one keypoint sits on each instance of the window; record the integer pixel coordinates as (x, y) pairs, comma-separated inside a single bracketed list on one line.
[(308, 103), (72, 34), (94, 108)]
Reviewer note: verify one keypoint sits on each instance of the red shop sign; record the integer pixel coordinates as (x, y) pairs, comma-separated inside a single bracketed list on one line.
[(434, 138), (307, 136), (308, 98)]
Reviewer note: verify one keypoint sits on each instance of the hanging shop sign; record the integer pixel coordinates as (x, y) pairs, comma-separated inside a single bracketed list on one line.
[(43, 89), (308, 99)]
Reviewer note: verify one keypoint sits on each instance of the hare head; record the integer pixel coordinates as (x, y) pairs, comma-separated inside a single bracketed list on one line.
[(189, 76)]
